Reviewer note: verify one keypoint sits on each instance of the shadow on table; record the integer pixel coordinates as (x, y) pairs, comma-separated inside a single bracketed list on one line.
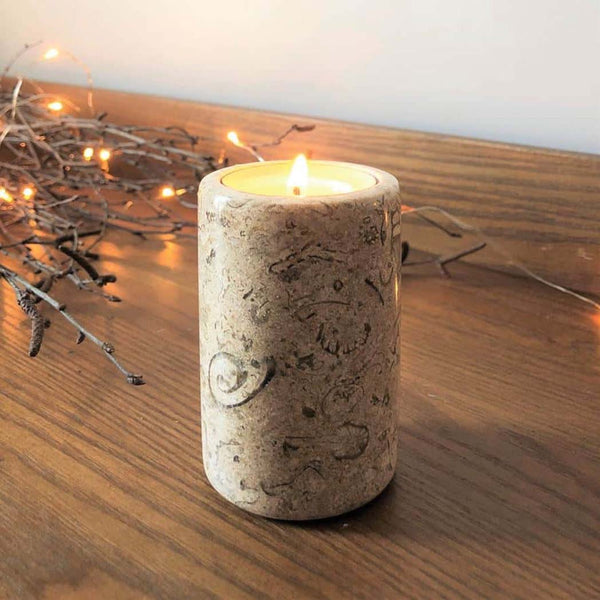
[(458, 483)]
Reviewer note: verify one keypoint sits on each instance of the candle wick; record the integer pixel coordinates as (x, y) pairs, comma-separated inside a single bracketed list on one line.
[(296, 190)]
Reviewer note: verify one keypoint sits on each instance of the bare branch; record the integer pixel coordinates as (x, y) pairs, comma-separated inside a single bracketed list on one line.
[(22, 287)]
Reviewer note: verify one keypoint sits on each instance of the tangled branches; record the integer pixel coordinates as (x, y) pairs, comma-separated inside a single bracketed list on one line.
[(65, 181)]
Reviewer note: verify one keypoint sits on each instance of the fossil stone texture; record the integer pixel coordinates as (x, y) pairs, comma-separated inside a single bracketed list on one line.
[(299, 346)]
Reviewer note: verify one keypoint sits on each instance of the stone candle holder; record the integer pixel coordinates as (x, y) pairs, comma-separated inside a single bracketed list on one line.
[(299, 339)]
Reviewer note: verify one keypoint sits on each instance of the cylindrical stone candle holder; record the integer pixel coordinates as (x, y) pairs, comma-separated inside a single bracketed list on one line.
[(299, 336)]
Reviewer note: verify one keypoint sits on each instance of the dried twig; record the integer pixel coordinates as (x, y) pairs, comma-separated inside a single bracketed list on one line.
[(25, 290), (486, 241), (254, 147), (441, 261)]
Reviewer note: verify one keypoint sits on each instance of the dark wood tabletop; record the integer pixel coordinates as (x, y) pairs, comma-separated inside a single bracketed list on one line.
[(497, 489)]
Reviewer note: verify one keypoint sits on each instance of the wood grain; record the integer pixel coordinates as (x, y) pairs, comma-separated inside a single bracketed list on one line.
[(542, 205), (497, 493)]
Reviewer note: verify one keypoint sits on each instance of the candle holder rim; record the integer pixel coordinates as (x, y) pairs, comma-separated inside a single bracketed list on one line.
[(383, 179)]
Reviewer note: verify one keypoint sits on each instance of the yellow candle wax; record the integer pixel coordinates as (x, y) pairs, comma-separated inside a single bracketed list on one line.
[(301, 178)]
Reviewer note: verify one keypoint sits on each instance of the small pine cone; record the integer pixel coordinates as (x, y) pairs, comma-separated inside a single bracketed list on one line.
[(38, 323)]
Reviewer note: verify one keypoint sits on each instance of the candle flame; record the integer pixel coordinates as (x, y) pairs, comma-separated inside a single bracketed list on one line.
[(298, 180), (232, 136), (28, 192), (55, 106), (104, 154)]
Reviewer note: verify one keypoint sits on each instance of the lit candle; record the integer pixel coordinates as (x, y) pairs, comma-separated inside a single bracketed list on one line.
[(282, 178), (299, 334)]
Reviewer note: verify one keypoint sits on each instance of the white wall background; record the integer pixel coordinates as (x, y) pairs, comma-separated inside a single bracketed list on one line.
[(523, 71)]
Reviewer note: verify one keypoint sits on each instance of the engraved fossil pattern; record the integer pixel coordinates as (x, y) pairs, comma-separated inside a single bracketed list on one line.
[(350, 441), (336, 338), (303, 485), (299, 315), (339, 402), (233, 382), (336, 435), (291, 267)]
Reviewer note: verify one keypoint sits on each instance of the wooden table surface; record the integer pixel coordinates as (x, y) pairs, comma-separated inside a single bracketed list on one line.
[(497, 491)]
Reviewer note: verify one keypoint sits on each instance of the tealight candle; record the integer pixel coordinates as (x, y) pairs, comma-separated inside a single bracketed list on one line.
[(299, 335), (276, 178)]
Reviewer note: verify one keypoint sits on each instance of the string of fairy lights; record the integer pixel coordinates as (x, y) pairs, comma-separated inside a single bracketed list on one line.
[(104, 154), (66, 180), (57, 106)]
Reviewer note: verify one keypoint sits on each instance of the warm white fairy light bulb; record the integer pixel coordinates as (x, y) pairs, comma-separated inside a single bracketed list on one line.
[(232, 136), (167, 191), (5, 195), (51, 53), (55, 106), (88, 153)]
